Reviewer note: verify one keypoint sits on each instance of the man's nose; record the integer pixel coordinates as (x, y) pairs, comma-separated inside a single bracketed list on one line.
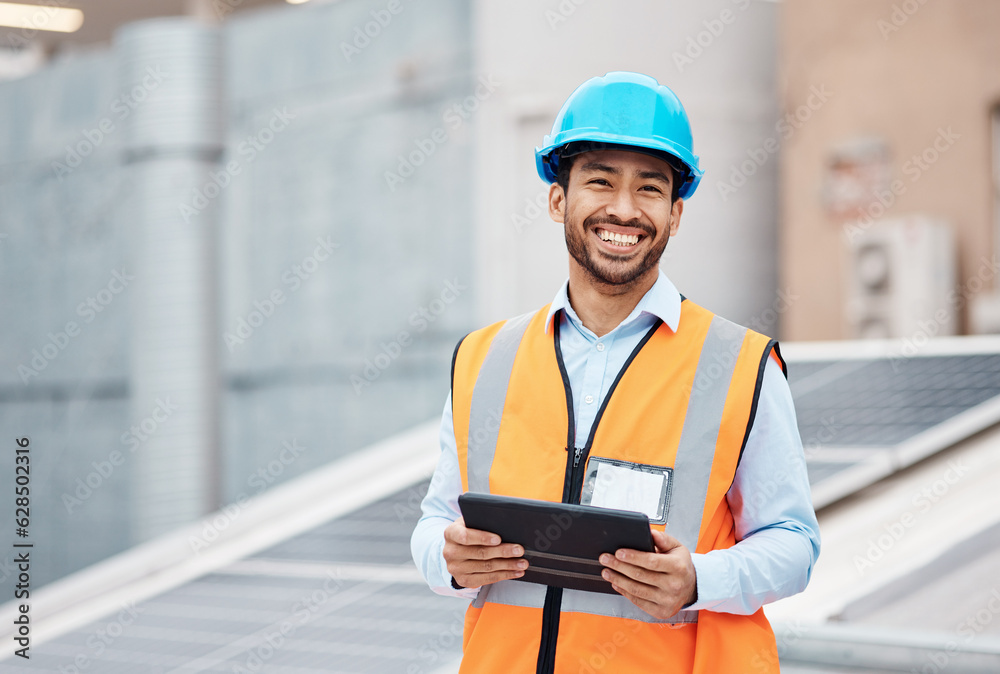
[(623, 206)]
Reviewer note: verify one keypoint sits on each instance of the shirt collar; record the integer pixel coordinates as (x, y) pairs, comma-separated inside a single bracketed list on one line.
[(661, 300)]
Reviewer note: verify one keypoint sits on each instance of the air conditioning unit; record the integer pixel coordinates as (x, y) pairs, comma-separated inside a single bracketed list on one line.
[(901, 279)]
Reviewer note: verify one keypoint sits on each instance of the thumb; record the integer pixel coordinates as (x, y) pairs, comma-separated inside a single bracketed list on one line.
[(664, 542)]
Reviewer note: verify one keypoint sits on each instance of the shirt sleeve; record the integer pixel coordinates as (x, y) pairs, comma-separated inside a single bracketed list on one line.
[(776, 529), (439, 509)]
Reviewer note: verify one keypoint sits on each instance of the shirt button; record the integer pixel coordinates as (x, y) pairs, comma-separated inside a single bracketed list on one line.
[(588, 399), (600, 346)]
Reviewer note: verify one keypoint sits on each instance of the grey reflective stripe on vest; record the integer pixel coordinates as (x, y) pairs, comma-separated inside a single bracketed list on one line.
[(696, 449), (514, 593), (692, 471), (517, 593), (488, 398)]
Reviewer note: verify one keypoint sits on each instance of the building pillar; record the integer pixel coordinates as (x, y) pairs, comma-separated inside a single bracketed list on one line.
[(171, 106)]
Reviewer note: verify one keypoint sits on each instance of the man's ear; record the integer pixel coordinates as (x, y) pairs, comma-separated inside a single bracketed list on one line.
[(675, 216), (557, 202)]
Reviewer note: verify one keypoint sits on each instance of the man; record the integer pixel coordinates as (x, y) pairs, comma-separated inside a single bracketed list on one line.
[(622, 392)]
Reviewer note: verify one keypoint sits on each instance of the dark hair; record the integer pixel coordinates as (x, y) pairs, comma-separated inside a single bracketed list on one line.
[(565, 165)]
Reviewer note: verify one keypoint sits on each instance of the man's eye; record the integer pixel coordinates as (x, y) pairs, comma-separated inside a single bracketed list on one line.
[(597, 181), (653, 188)]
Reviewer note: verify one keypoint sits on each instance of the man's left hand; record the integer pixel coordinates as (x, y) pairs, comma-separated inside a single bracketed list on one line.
[(660, 583)]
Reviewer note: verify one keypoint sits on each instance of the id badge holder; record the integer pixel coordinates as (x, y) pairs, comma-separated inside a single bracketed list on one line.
[(623, 485)]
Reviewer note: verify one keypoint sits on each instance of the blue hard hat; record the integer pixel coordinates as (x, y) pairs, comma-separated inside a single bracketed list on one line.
[(622, 109)]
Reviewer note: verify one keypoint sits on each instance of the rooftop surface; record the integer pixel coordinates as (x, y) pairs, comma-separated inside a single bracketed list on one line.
[(342, 597), (316, 575)]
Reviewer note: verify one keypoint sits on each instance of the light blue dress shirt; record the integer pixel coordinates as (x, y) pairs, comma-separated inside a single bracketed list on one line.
[(776, 528)]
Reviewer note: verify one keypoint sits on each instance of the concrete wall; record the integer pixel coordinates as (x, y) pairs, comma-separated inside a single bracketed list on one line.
[(904, 73), (297, 202), (65, 376), (325, 370)]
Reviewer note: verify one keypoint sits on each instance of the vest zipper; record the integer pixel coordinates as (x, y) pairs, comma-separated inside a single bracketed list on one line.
[(572, 488), (552, 607)]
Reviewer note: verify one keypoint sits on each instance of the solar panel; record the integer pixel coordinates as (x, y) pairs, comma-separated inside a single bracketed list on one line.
[(883, 402), (863, 418), (290, 609)]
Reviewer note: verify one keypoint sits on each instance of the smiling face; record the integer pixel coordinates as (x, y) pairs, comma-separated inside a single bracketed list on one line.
[(618, 215)]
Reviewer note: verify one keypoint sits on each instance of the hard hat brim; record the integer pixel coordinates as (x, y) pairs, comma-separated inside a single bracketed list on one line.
[(547, 158)]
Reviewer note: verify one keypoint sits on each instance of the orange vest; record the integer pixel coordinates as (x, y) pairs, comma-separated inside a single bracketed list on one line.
[(684, 400)]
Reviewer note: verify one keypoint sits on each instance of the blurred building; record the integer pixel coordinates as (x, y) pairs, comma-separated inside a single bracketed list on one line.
[(213, 287), (45, 29), (890, 158), (242, 242)]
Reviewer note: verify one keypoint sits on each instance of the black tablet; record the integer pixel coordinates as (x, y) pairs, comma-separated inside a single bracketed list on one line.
[(562, 542)]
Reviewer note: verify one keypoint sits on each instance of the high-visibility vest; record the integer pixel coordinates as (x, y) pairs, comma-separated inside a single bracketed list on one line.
[(683, 400)]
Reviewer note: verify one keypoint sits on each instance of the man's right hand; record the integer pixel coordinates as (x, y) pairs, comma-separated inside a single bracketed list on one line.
[(476, 558)]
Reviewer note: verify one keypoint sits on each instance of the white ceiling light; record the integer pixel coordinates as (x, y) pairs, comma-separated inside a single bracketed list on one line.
[(40, 17)]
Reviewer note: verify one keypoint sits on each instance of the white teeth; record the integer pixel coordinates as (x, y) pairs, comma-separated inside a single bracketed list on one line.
[(618, 239)]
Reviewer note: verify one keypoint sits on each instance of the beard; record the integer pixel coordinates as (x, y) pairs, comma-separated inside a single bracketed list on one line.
[(608, 269)]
